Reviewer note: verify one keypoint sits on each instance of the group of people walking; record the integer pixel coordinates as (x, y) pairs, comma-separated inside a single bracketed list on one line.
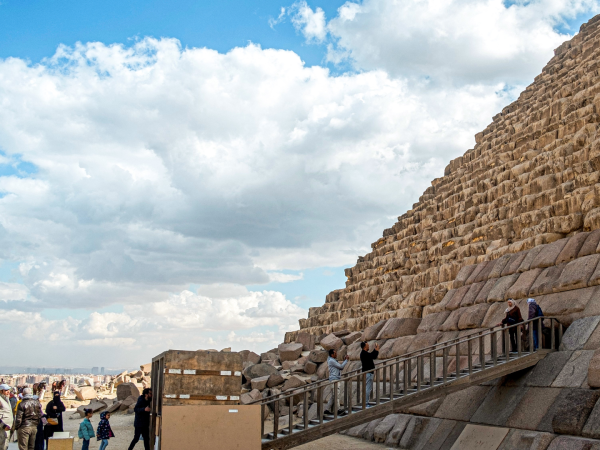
[(512, 317), (25, 419)]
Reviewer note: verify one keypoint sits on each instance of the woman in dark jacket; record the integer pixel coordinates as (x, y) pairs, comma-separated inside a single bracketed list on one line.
[(39, 437), (513, 316), (54, 411)]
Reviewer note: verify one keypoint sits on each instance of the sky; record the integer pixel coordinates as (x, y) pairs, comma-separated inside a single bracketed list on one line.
[(195, 175)]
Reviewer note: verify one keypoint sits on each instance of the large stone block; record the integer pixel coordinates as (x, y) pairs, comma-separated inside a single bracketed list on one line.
[(590, 244), (573, 443), (331, 341), (352, 337), (578, 333), (401, 346), (127, 389), (418, 431), (575, 371), (472, 293), (384, 427), (548, 254), (498, 405), (546, 280), (259, 370), (432, 322), (546, 371), (498, 292), (593, 372), (289, 352), (423, 340), (397, 431), (395, 328), (523, 284), (571, 411), (513, 264), (88, 393), (478, 269), (526, 440), (577, 273), (500, 265), (260, 383), (477, 437), (461, 405), (458, 297), (532, 408), (307, 340), (572, 248), (451, 323), (473, 316), (371, 332), (444, 435), (529, 258), (563, 303)]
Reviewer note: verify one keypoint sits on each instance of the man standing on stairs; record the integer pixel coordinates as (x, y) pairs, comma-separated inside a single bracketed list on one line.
[(335, 373), (368, 363)]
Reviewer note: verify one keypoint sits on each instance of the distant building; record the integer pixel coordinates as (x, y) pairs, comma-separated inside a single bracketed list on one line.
[(94, 370), (102, 371)]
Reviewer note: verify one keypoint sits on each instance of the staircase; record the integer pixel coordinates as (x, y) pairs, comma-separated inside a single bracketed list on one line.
[(405, 381)]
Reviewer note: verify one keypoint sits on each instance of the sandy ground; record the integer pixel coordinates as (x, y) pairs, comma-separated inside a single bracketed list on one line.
[(122, 426)]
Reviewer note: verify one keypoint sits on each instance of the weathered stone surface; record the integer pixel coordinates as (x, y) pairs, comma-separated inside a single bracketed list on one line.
[(127, 403), (318, 356), (252, 357), (369, 431), (590, 244), (563, 303), (513, 264), (578, 333), (401, 346), (310, 367), (577, 273), (423, 340), (498, 292), (127, 389), (384, 427), (444, 435), (269, 356), (572, 248), (575, 370), (548, 254), (292, 383), (433, 322), (526, 440), (532, 408), (478, 437), (307, 340), (546, 371), (371, 332), (529, 258), (451, 323), (259, 370), (591, 428), (323, 371), (463, 275), (593, 372), (395, 435), (427, 409), (458, 297), (472, 293), (331, 342), (394, 328), (498, 405), (572, 443), (545, 281), (260, 383), (462, 405), (418, 431), (570, 411), (352, 337), (275, 379), (88, 393), (289, 352), (473, 316), (523, 284)]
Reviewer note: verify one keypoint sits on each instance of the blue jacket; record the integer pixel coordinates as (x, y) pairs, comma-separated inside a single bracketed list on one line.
[(86, 431)]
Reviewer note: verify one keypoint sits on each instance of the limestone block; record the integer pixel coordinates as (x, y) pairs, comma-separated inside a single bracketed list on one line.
[(292, 382), (591, 428), (548, 254), (318, 356), (352, 337), (498, 405), (451, 323), (323, 371), (546, 280), (307, 340), (478, 437), (127, 389), (369, 431), (433, 322), (577, 273), (260, 383), (484, 273), (471, 295), (445, 435), (575, 370), (401, 346), (247, 355), (572, 248), (546, 371), (512, 266), (423, 340), (371, 332), (457, 298), (478, 269), (572, 443), (530, 256), (498, 292), (289, 352), (473, 316), (532, 408), (397, 431), (463, 275), (331, 342), (426, 409), (269, 356), (563, 303), (593, 372), (526, 440), (358, 430), (384, 427), (88, 393), (275, 379), (353, 351), (500, 265), (418, 431), (578, 333), (523, 284), (395, 328), (572, 409), (494, 315), (259, 370), (590, 244), (485, 291)]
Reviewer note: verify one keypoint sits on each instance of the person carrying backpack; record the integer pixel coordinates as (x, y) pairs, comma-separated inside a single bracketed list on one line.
[(86, 430), (534, 311)]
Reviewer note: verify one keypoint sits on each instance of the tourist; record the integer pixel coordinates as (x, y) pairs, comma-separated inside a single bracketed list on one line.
[(533, 312), (6, 415), (54, 410), (367, 359), (104, 432), (39, 436), (335, 373), (27, 420), (142, 419), (86, 431), (513, 316)]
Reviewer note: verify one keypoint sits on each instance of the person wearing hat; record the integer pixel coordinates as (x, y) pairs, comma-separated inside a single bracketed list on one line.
[(28, 417), (534, 311), (513, 317), (6, 415)]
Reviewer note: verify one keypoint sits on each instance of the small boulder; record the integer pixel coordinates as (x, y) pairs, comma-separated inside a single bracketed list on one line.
[(125, 390), (307, 340), (352, 337), (259, 370), (292, 383), (247, 355), (318, 356), (85, 393), (260, 383), (331, 342), (114, 407), (275, 380), (310, 367), (289, 352)]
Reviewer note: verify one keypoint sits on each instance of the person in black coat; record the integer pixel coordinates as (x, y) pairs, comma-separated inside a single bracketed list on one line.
[(513, 317), (142, 419), (54, 410)]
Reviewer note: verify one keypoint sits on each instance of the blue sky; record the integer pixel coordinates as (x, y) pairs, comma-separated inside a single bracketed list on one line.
[(198, 174)]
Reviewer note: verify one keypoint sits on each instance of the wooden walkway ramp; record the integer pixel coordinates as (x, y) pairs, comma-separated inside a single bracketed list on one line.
[(402, 382)]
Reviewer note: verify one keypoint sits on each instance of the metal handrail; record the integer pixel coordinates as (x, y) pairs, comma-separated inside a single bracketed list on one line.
[(406, 362)]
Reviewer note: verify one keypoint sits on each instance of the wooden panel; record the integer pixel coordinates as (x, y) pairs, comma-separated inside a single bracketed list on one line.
[(60, 444), (212, 427), (203, 360)]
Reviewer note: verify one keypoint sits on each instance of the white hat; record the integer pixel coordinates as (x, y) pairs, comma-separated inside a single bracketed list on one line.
[(530, 300), (4, 387)]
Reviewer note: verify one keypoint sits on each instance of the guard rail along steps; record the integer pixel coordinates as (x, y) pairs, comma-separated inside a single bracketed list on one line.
[(408, 380)]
